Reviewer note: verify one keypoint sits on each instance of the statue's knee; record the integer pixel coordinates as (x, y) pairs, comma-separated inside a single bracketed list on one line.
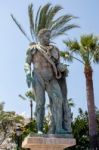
[(57, 97), (39, 110)]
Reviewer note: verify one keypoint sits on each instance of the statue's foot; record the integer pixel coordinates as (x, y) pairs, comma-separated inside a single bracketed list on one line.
[(69, 132), (51, 131), (61, 131), (39, 132)]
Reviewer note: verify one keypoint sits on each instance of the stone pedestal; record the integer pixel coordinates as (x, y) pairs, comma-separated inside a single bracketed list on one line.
[(48, 142)]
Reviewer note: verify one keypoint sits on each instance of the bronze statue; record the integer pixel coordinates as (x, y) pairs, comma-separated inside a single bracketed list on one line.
[(47, 75)]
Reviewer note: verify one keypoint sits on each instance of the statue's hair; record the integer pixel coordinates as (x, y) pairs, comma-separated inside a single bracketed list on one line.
[(32, 43), (42, 31)]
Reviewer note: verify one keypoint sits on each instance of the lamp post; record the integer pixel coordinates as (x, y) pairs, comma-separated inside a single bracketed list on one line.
[(18, 137)]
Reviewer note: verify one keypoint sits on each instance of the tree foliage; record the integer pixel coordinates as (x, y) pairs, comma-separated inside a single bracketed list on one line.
[(46, 17), (80, 130), (87, 49), (8, 122)]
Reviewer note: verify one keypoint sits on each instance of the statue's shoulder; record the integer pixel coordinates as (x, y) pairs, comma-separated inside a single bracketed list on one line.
[(55, 52), (54, 48), (32, 48)]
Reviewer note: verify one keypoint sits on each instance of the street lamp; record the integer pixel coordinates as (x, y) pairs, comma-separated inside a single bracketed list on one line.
[(18, 137)]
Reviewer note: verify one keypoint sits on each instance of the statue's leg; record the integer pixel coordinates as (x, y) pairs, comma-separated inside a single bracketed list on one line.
[(40, 104), (55, 94), (66, 122), (52, 125)]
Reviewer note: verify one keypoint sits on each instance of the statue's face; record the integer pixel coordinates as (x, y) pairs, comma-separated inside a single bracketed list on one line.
[(45, 39)]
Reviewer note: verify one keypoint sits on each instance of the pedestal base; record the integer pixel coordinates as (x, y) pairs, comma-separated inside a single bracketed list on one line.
[(47, 143)]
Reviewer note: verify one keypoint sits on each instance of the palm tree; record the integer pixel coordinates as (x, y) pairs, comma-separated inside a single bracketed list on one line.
[(29, 94), (1, 106), (88, 50), (46, 18)]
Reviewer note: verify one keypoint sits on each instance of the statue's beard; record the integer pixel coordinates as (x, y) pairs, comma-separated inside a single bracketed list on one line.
[(46, 42)]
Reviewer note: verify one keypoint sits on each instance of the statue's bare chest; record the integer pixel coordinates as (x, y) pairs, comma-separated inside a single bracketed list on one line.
[(39, 58)]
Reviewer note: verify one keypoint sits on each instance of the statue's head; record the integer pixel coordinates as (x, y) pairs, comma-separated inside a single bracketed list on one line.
[(44, 36), (32, 43)]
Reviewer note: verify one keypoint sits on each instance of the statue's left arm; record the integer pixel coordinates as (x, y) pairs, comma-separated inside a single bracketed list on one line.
[(56, 58), (27, 67)]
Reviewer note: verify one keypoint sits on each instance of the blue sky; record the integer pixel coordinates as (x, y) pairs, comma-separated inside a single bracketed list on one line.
[(13, 47)]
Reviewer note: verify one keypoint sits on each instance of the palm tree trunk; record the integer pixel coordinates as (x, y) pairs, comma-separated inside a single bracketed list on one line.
[(31, 109), (91, 108)]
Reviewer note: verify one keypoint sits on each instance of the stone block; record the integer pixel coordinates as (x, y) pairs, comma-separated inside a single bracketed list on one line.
[(50, 142)]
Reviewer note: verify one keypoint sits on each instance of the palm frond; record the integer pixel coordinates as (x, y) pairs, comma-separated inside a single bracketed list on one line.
[(30, 95), (61, 21), (87, 48), (73, 45), (51, 14), (66, 55), (46, 18), (62, 30), (36, 21), (31, 21), (73, 48), (68, 27), (96, 56), (22, 97), (43, 16), (89, 42), (20, 27)]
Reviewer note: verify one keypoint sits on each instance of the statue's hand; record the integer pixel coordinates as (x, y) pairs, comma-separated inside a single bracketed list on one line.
[(63, 68), (29, 80)]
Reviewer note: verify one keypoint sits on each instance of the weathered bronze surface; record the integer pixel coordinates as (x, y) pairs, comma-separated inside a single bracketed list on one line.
[(48, 75)]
